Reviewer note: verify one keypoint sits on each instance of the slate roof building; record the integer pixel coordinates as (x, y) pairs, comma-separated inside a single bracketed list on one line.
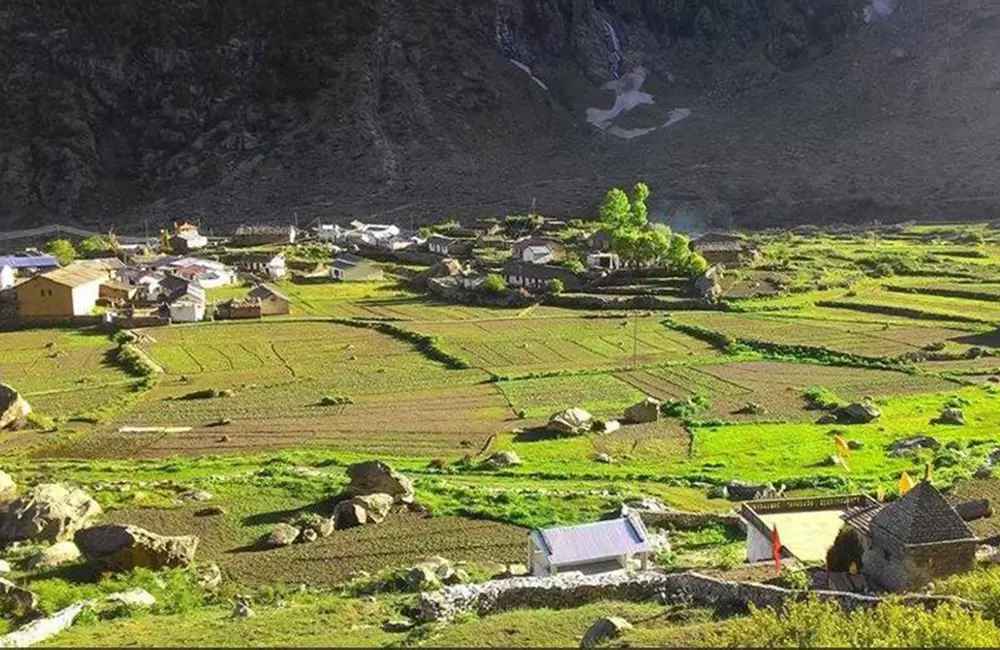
[(62, 293), (600, 547), (913, 540), (29, 264), (354, 268)]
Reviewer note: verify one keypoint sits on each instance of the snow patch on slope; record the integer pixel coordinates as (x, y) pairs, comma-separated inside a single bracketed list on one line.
[(628, 95)]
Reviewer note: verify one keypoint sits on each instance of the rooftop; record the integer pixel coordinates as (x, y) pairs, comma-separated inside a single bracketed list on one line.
[(267, 291), (597, 541), (28, 261), (76, 275), (921, 516)]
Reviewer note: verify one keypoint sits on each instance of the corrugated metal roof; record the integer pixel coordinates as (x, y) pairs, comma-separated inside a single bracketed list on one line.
[(596, 541), (76, 275), (28, 261)]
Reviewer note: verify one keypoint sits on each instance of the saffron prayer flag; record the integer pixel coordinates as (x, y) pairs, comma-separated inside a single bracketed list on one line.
[(776, 547), (905, 484)]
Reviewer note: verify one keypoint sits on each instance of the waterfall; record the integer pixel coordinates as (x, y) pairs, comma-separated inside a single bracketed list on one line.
[(617, 59)]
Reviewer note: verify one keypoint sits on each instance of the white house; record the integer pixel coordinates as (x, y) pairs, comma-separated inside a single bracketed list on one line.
[(187, 310), (6, 277), (266, 264), (600, 547), (603, 261), (330, 232)]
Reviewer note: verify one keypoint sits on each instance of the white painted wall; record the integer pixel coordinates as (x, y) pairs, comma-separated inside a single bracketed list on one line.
[(187, 312), (85, 298), (758, 545), (6, 277)]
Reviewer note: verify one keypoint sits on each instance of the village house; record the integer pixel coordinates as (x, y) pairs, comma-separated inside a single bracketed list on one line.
[(330, 232), (268, 265), (109, 264), (187, 241), (406, 239), (603, 261), (601, 547), (209, 274), (725, 248), (112, 291), (28, 265), (600, 241), (62, 293), (353, 268), (272, 302), (913, 540), (264, 235), (448, 246), (146, 281), (186, 304), (536, 276), (171, 285), (536, 250)]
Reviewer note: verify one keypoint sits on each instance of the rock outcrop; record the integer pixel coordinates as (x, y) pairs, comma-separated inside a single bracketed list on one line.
[(376, 477), (50, 512), (648, 410), (574, 421), (502, 460), (361, 510), (123, 548), (604, 629), (14, 409), (857, 413), (58, 554)]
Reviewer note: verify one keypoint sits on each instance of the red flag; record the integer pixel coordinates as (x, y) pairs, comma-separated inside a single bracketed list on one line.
[(776, 547)]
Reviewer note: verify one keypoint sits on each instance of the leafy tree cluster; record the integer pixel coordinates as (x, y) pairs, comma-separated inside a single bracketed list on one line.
[(637, 242), (65, 252)]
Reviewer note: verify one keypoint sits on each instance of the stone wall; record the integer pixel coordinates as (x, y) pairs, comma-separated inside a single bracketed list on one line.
[(574, 590), (689, 520)]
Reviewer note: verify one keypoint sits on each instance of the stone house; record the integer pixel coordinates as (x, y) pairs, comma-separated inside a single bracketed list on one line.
[(537, 250), (913, 540), (725, 248), (603, 261), (113, 291), (264, 235), (600, 241), (272, 302), (600, 547), (268, 265), (448, 246), (63, 293), (536, 276), (354, 268)]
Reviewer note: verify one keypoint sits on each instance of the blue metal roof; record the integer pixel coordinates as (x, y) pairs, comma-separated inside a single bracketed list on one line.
[(29, 261), (597, 541)]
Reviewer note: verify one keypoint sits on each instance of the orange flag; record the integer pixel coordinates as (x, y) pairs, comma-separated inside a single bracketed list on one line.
[(843, 452), (880, 495), (905, 484), (776, 547)]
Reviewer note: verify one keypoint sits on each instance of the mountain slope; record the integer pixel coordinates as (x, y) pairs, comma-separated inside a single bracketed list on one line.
[(742, 111)]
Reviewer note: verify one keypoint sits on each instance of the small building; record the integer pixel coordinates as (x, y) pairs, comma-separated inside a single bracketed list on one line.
[(109, 264), (272, 302), (27, 265), (63, 293), (603, 261), (264, 235), (600, 241), (170, 285), (725, 248), (537, 250), (354, 268), (268, 265), (600, 547), (187, 309), (448, 246), (6, 277), (537, 276), (114, 291), (913, 540), (187, 241), (330, 232)]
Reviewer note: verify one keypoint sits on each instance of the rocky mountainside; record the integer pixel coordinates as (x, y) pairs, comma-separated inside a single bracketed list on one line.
[(739, 111)]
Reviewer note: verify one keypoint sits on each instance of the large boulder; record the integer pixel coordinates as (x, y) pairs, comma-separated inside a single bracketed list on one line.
[(8, 489), (951, 416), (911, 445), (708, 286), (14, 409), (56, 555), (737, 490), (283, 534), (123, 548), (502, 460), (648, 410), (361, 510), (603, 629), (574, 421), (51, 512), (858, 413), (974, 509), (16, 601), (375, 477)]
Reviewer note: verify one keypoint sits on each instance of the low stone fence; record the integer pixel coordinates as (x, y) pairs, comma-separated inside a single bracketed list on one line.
[(689, 520), (575, 590)]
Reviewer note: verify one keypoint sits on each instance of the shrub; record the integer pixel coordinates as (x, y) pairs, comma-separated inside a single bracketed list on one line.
[(555, 286), (133, 361), (792, 579), (812, 624), (494, 284), (822, 398), (685, 408), (207, 393)]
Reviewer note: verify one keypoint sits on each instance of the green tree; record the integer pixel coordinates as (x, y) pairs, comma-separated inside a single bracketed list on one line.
[(615, 210), (652, 246), (555, 286), (679, 253), (494, 284), (640, 214), (93, 247), (62, 250), (697, 265), (626, 244), (573, 264)]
